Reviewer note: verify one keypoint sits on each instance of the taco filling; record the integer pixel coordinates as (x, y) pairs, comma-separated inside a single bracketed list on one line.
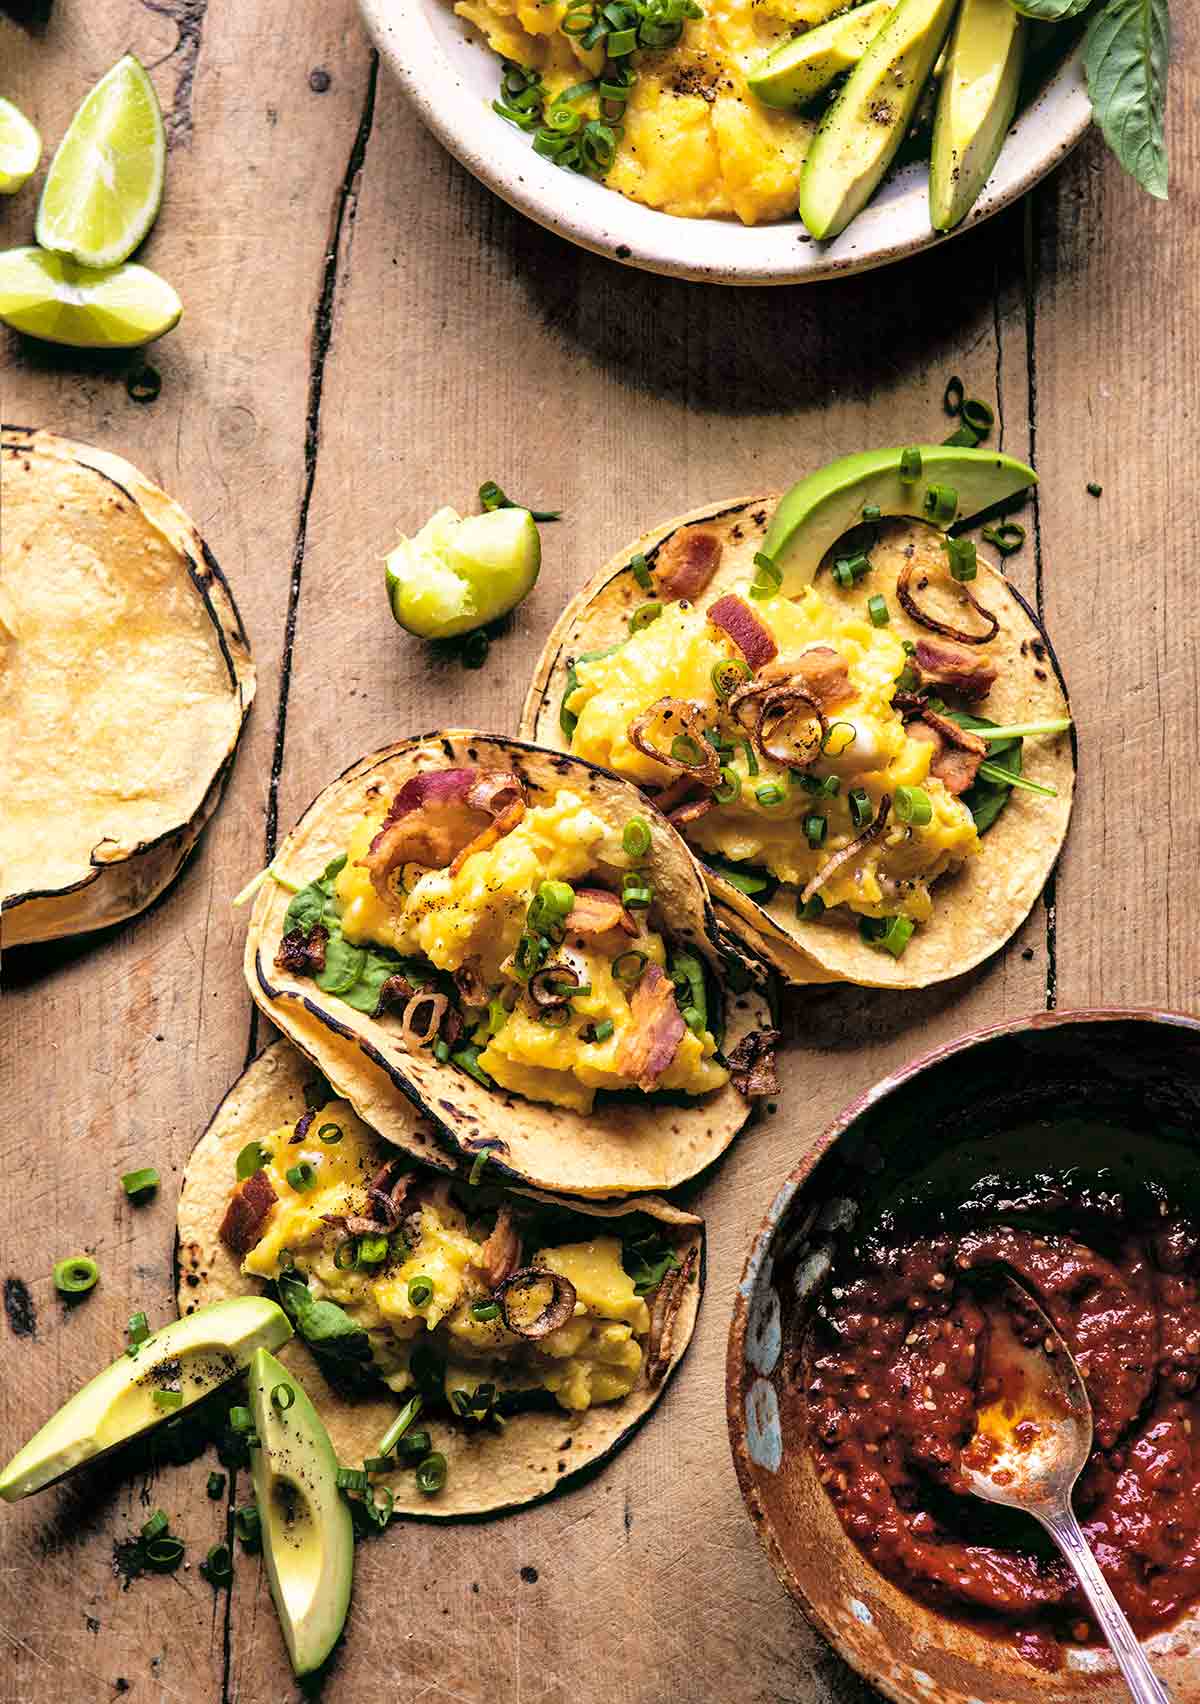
[(481, 1303), (520, 942), (803, 740)]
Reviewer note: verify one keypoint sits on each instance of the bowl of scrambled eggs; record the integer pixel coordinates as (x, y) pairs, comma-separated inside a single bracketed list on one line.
[(694, 176)]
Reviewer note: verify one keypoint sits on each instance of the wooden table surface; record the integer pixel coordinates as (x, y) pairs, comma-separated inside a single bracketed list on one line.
[(368, 333)]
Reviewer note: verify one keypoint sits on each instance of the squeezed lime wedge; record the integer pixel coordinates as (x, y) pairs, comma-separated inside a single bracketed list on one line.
[(459, 573), (20, 148), (118, 307), (105, 183)]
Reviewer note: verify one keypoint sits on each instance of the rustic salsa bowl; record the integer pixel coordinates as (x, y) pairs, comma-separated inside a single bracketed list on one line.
[(1138, 1069)]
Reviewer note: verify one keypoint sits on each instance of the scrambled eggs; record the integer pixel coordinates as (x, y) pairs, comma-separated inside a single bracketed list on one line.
[(477, 917), (696, 142), (593, 1357), (674, 657)]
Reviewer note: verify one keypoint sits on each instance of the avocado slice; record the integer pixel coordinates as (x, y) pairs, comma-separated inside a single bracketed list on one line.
[(867, 123), (975, 106), (814, 514), (192, 1355), (307, 1530), (797, 70)]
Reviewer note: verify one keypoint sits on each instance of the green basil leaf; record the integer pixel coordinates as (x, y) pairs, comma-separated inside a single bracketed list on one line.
[(1126, 53)]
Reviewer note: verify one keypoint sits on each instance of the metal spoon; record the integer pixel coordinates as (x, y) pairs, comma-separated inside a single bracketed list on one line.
[(1030, 1447)]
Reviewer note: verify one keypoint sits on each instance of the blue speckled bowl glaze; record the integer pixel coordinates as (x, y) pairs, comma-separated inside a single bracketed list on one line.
[(1132, 1067)]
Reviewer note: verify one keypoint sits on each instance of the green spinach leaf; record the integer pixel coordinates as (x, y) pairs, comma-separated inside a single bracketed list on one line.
[(986, 799), (647, 1260), (1126, 52), (1051, 11), (309, 907)]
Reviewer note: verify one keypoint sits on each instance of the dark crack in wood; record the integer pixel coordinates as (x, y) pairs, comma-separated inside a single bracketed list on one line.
[(188, 18)]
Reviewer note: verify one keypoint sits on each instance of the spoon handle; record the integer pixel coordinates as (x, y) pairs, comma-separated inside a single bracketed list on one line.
[(1140, 1678)]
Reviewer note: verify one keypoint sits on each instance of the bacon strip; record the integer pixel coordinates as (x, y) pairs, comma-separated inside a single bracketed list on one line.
[(954, 669), (248, 1211), (752, 1064), (953, 766), (691, 812), (752, 637), (664, 1311), (651, 1042), (500, 1255), (502, 796), (687, 561), (825, 675), (440, 817), (596, 911)]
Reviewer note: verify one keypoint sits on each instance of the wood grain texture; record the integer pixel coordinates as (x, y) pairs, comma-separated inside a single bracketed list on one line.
[(368, 333)]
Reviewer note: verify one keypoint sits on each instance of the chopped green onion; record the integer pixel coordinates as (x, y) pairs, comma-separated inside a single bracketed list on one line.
[(247, 1523), (768, 578), (961, 551), (816, 827), (1008, 537), (252, 1158), (551, 905), (283, 1396), (441, 1051), (727, 676), (414, 1447), (952, 396), (351, 1479), (872, 512), (770, 794), (978, 415), (602, 1030), (490, 494), (477, 1165), (217, 1566), (693, 1017), (431, 1474), (345, 1255), (1022, 730), (158, 1523), (685, 750), (808, 911), (329, 1134), (141, 1182), (644, 614), (302, 1175), (729, 787), (378, 1464), (372, 1250), (216, 1486), (76, 1275), (168, 1398), (485, 1311), (420, 1292), (912, 805), (639, 567), (636, 890), (862, 811), (878, 610), (964, 437), (848, 569), (138, 1329), (910, 465), (164, 1554), (941, 504), (636, 837), (628, 967), (241, 1419), (1094, 490), (751, 760), (994, 772), (889, 934), (400, 1425), (473, 652)]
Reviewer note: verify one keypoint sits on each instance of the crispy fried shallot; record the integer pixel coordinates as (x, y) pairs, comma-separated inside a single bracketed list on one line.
[(752, 1064), (502, 796), (686, 562), (303, 1124), (248, 1210), (353, 1224), (768, 708), (388, 1190), (303, 954), (500, 1255), (422, 1016), (596, 911), (651, 1041), (664, 1311), (553, 985), (557, 1311), (468, 979), (932, 622), (953, 669), (677, 719), (860, 841), (393, 991), (752, 637)]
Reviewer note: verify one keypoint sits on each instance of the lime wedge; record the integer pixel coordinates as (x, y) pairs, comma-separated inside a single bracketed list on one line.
[(118, 307), (105, 183), (20, 148)]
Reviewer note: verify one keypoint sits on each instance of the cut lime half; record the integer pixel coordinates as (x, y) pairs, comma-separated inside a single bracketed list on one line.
[(118, 307), (105, 183), (457, 574), (20, 148)]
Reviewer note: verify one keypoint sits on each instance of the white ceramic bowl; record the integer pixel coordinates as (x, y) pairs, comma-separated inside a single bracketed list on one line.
[(452, 78)]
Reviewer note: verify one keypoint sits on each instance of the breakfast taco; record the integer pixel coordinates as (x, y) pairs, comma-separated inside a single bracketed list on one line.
[(470, 1348), (516, 944), (125, 677), (863, 734)]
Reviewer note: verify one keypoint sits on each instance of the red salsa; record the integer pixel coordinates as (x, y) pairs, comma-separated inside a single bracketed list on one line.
[(892, 1368)]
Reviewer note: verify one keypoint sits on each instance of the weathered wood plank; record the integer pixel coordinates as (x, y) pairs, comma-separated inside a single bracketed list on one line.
[(111, 1050)]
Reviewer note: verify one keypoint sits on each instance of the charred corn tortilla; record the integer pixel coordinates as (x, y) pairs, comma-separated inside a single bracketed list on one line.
[(626, 1143), (536, 1453), (125, 677), (977, 907)]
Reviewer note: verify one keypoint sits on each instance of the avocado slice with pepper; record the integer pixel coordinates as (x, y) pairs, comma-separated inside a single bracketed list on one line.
[(815, 513), (796, 71), (152, 1382), (865, 126), (976, 102), (307, 1530)]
